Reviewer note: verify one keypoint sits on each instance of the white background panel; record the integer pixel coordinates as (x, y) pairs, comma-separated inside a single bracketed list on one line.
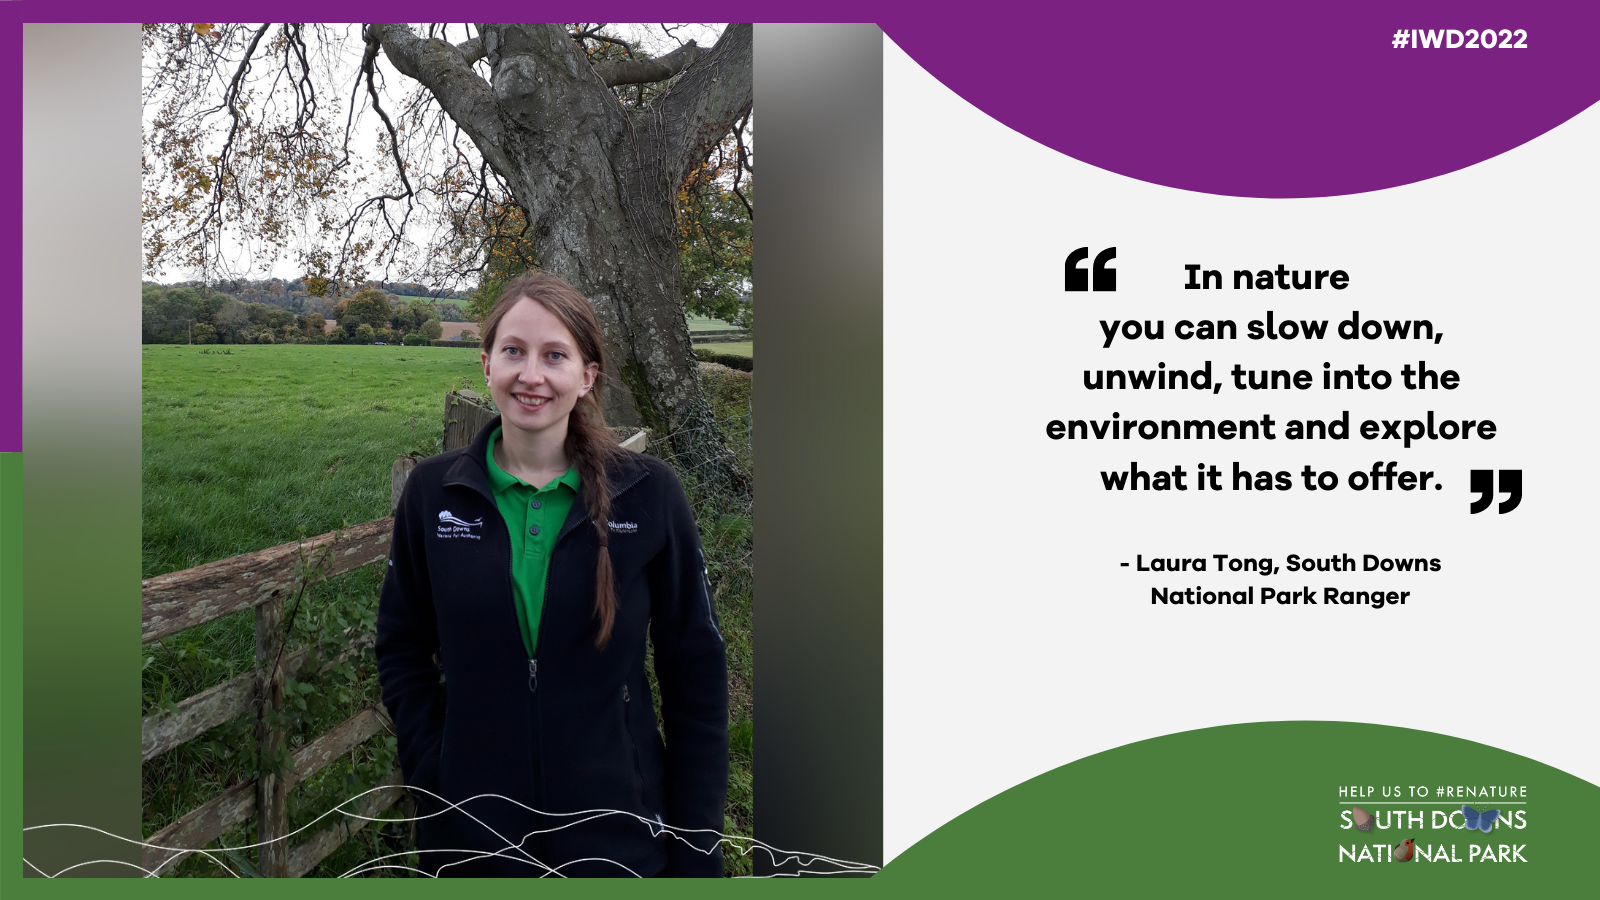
[(1015, 643)]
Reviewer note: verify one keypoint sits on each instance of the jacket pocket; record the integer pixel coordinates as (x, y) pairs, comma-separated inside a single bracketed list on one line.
[(633, 744)]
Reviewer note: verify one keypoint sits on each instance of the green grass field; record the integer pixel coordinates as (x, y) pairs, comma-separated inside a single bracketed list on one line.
[(248, 447), (732, 348), (705, 323)]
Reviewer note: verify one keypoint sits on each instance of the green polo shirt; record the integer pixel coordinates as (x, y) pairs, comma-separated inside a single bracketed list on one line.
[(534, 517)]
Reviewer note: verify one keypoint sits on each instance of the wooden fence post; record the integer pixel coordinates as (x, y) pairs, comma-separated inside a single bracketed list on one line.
[(272, 790), (465, 414), (398, 473)]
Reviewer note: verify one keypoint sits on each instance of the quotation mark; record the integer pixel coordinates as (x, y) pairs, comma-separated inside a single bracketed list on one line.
[(1104, 279), (1483, 484)]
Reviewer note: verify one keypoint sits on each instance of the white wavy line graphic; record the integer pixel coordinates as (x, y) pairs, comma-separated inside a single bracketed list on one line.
[(514, 852)]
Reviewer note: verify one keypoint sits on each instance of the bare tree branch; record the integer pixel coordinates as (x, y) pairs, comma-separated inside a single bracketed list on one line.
[(594, 34), (224, 163), (368, 64), (744, 165), (445, 71), (648, 71)]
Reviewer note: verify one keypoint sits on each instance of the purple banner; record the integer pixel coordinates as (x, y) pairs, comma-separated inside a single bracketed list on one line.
[(1270, 99)]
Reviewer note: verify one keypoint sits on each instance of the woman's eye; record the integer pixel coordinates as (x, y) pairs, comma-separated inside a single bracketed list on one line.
[(556, 355), (512, 351)]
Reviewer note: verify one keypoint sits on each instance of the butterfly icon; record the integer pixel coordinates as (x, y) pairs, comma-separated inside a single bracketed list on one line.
[(1484, 822)]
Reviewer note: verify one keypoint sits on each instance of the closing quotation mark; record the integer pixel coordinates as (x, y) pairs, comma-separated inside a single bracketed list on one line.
[(1483, 485)]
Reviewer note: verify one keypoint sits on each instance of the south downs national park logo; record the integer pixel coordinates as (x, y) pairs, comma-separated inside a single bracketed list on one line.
[(1431, 823), (452, 527)]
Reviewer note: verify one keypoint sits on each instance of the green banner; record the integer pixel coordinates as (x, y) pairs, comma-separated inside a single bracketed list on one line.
[(1268, 810)]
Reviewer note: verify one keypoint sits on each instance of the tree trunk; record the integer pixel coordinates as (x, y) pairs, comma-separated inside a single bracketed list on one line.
[(599, 184)]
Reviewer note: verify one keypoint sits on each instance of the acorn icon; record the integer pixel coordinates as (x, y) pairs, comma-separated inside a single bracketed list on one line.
[(1363, 819)]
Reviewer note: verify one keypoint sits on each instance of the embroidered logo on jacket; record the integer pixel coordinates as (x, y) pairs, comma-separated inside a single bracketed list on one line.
[(623, 527), (452, 527)]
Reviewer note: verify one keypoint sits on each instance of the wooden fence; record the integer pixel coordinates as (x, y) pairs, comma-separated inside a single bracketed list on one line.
[(262, 581)]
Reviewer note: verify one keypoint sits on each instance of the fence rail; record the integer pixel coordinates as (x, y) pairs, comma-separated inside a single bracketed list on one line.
[(207, 822), (228, 700), (179, 601)]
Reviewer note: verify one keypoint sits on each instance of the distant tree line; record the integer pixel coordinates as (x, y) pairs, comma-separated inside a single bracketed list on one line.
[(286, 292), (297, 296), (275, 313), (412, 289)]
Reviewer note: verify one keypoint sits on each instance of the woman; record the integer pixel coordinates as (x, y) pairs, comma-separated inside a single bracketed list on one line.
[(524, 572)]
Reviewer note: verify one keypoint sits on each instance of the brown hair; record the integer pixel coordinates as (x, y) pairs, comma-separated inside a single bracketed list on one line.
[(590, 444)]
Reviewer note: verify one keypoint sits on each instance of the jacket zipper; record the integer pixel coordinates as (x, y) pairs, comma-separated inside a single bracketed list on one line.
[(533, 672), (533, 664), (533, 689)]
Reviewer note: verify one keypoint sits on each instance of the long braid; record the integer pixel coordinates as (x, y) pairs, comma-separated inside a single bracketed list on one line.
[(590, 444)]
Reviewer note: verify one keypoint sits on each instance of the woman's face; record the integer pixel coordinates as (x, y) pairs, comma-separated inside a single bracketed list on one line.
[(534, 370)]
